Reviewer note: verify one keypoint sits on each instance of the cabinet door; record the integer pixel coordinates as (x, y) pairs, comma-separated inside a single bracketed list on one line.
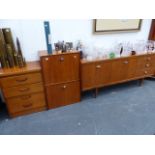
[(63, 94), (119, 71), (132, 68), (103, 73), (88, 76), (60, 68)]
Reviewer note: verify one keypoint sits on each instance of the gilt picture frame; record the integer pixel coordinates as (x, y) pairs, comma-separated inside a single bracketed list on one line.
[(116, 25)]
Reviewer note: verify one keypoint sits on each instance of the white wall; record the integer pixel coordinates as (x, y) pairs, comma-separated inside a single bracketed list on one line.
[(32, 38)]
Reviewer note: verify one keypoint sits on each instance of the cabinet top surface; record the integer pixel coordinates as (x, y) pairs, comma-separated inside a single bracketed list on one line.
[(33, 66), (45, 53), (84, 61)]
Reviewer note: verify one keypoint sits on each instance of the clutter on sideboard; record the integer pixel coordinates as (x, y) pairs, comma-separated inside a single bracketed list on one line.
[(93, 51)]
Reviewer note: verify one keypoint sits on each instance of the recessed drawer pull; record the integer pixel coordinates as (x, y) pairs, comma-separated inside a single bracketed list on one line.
[(98, 66), (26, 97), (24, 89), (147, 65), (145, 72), (64, 87), (27, 105), (61, 58), (126, 62), (21, 80), (148, 58), (46, 59)]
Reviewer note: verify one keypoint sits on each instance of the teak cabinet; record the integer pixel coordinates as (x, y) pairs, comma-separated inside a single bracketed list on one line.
[(23, 89), (99, 73), (61, 78)]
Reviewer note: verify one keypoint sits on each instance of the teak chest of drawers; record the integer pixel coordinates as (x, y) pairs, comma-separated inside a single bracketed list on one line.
[(100, 73), (22, 89), (61, 75)]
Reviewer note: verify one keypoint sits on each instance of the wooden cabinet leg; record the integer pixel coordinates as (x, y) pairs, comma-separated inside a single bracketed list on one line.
[(141, 82), (96, 92)]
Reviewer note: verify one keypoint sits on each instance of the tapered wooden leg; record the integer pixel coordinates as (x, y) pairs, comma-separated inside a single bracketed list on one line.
[(141, 81), (96, 92)]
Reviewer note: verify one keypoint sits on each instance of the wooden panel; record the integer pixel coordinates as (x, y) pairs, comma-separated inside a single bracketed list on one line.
[(60, 68), (26, 102), (63, 94), (88, 76), (103, 73), (132, 68), (31, 67), (145, 72), (22, 90), (119, 70), (21, 80), (25, 112)]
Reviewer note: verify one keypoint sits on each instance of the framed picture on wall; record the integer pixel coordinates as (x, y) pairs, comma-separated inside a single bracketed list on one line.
[(116, 25)]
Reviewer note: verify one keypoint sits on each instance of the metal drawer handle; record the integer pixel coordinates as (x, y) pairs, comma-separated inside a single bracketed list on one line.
[(61, 58), (21, 80), (26, 97), (24, 89), (98, 66), (126, 62), (27, 105)]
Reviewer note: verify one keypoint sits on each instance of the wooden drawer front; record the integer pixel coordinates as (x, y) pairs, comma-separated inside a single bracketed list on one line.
[(22, 90), (21, 79), (144, 65), (63, 94), (145, 72), (60, 68), (26, 102)]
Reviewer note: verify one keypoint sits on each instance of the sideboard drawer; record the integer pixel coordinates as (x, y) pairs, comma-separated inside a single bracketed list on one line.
[(26, 102), (145, 72), (23, 90), (12, 81)]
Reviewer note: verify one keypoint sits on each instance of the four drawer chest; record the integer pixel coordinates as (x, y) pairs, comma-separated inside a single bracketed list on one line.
[(22, 89)]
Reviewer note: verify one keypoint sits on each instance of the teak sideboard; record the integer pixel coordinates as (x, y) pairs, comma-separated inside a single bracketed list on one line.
[(100, 73), (58, 79)]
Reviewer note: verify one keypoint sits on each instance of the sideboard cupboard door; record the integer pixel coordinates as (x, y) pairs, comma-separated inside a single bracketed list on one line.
[(119, 71), (132, 68), (103, 73), (88, 75), (60, 68), (63, 94)]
